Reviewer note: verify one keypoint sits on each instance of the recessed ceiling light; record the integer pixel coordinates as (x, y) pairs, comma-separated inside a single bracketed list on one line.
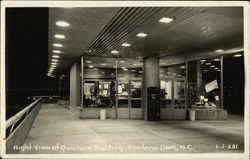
[(134, 64), (55, 56), (54, 60), (126, 44), (60, 36), (216, 59), (57, 45), (133, 70), (62, 23), (56, 51), (212, 66), (216, 68), (114, 52), (140, 71), (205, 70), (238, 55), (103, 64), (183, 67), (90, 66), (89, 61), (114, 66), (174, 74), (122, 61), (179, 75), (203, 60), (54, 63), (219, 50), (142, 35), (208, 63), (166, 20)]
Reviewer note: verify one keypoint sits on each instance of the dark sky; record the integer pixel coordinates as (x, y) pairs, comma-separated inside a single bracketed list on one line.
[(27, 48)]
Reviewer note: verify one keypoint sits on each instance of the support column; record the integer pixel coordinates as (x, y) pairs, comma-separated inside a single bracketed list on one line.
[(75, 85), (150, 78), (82, 81), (199, 78)]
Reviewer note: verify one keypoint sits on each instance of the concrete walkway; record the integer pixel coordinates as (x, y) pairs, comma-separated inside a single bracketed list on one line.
[(57, 131)]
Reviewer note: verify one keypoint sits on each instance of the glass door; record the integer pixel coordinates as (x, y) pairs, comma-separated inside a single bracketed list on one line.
[(123, 100), (166, 99), (135, 111)]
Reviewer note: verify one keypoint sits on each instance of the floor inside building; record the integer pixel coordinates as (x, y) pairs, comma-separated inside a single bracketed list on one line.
[(57, 131)]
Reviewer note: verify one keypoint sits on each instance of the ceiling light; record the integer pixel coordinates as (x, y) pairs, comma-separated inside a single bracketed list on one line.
[(142, 35), (56, 51), (89, 61), (90, 66), (114, 52), (103, 64), (208, 63), (166, 20), (59, 36), (216, 68), (126, 44), (179, 75), (54, 63), (238, 55), (114, 66), (140, 71), (174, 74), (134, 64), (212, 66), (57, 45), (205, 70), (203, 60), (55, 56), (133, 70), (216, 59), (219, 50), (62, 24), (54, 60), (122, 61), (183, 67)]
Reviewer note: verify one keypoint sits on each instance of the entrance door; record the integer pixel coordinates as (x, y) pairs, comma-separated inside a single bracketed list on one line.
[(123, 100), (135, 109), (173, 99)]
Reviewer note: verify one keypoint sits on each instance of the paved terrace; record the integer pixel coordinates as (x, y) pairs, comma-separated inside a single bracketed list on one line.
[(56, 126)]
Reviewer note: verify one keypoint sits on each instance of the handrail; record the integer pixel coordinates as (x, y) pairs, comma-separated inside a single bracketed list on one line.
[(20, 114)]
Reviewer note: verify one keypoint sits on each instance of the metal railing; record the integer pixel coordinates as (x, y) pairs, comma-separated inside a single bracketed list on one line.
[(23, 113)]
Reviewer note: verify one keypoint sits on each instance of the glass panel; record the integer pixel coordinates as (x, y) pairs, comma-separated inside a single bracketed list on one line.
[(123, 92), (166, 94), (135, 89), (99, 86), (179, 94), (136, 103)]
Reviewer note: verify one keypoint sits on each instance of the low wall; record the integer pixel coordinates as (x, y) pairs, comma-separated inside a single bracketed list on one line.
[(210, 114), (19, 135)]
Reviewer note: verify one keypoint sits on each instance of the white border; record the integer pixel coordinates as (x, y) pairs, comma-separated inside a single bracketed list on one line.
[(66, 4)]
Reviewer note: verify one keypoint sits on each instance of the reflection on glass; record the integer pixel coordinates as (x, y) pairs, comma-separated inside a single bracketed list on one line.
[(179, 92), (204, 83), (135, 89), (123, 90)]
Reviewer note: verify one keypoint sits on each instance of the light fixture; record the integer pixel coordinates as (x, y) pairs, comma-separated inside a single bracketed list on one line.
[(133, 70), (89, 61), (174, 74), (54, 60), (90, 66), (103, 64), (122, 61), (59, 36), (52, 66), (140, 71), (56, 51), (182, 67), (216, 59), (57, 45), (203, 60), (205, 70), (219, 50), (212, 66), (134, 64), (126, 44), (114, 66), (62, 23), (237, 55), (114, 52), (216, 68), (55, 56), (54, 63), (166, 20), (179, 75), (142, 35), (208, 63)]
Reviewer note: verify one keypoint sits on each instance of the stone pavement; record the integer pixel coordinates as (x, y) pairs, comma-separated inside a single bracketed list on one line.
[(57, 131)]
